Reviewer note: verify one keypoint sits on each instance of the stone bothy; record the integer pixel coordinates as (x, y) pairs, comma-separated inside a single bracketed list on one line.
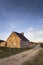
[(17, 40)]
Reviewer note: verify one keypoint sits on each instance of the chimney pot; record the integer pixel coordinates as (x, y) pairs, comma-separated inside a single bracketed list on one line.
[(22, 33)]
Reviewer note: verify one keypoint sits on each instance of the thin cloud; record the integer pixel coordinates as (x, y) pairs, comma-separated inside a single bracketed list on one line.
[(34, 34), (8, 26)]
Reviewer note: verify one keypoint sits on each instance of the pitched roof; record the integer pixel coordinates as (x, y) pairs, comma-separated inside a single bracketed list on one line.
[(2, 41), (22, 37)]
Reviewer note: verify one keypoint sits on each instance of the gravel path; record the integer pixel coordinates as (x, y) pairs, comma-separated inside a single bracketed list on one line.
[(18, 59)]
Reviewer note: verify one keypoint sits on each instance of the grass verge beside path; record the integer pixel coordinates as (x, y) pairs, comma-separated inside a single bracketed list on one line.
[(38, 59), (6, 52)]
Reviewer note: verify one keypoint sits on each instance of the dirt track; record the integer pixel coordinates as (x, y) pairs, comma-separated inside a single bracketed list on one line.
[(18, 59)]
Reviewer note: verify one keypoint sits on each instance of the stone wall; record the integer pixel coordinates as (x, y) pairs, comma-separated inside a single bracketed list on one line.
[(24, 44), (2, 44), (13, 41)]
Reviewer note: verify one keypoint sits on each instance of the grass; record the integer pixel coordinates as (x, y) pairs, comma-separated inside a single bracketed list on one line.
[(6, 52), (38, 59)]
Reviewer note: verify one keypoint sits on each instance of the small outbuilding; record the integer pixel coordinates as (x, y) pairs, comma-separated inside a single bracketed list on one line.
[(2, 43)]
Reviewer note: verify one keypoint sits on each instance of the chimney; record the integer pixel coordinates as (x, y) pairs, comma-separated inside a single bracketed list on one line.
[(22, 33)]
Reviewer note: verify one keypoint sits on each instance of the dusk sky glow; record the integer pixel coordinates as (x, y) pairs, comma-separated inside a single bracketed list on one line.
[(22, 16)]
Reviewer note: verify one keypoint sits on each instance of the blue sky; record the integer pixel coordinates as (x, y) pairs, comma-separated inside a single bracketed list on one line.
[(22, 16)]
